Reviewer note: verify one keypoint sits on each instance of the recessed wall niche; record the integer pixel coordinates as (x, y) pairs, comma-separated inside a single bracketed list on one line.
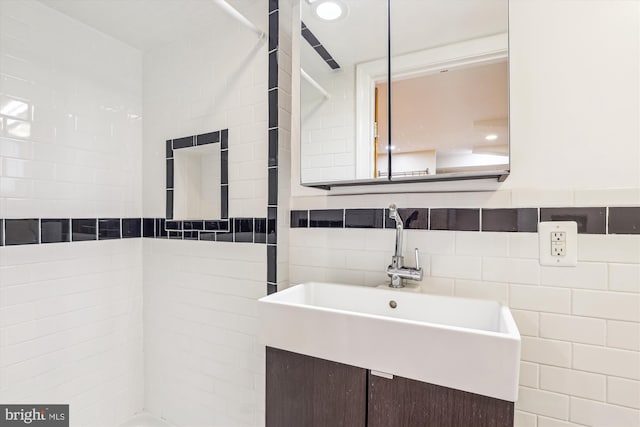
[(197, 177)]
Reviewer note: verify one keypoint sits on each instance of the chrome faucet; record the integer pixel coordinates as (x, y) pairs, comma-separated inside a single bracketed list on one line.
[(397, 270)]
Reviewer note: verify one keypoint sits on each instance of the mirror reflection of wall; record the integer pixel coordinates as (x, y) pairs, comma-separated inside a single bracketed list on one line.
[(197, 183), (328, 127), (449, 94)]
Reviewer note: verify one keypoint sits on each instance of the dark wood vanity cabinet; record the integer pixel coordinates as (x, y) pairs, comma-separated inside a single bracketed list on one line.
[(304, 391), (401, 402)]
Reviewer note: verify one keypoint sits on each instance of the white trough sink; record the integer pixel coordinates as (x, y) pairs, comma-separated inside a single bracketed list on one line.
[(465, 344)]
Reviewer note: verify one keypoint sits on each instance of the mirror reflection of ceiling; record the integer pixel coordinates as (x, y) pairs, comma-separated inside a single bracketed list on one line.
[(448, 111), (146, 24), (360, 36)]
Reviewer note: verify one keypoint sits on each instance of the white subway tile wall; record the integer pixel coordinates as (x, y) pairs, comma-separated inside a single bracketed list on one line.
[(203, 362), (77, 94), (70, 314), (71, 328), (204, 84), (576, 343)]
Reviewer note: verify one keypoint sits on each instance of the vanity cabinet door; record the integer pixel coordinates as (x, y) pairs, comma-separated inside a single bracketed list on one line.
[(401, 402), (304, 391)]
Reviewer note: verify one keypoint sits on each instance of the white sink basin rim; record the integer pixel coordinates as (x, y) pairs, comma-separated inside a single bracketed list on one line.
[(465, 344)]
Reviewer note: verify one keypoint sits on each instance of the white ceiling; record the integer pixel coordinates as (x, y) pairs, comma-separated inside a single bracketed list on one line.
[(415, 25), (146, 24)]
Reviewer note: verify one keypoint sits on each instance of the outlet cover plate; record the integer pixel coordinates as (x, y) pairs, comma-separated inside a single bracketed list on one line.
[(570, 228)]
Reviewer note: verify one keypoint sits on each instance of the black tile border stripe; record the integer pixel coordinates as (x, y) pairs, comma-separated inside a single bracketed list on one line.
[(591, 220), (29, 231), (268, 232), (313, 41)]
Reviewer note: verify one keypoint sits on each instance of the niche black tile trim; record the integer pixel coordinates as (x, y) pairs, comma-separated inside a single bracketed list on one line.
[(169, 204), (226, 236), (243, 230), (131, 228), (83, 229), (510, 220), (224, 168), (313, 41), (208, 138), (216, 225), (624, 220), (55, 230), (169, 147), (224, 139), (108, 228), (299, 219), (271, 288), (1, 232), (184, 142), (173, 225), (148, 227), (169, 173), (590, 220), (412, 218), (363, 218), (224, 205), (21, 231), (326, 218), (193, 225), (218, 136), (455, 219)]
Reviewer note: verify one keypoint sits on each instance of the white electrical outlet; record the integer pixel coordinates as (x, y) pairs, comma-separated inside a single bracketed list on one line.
[(558, 243)]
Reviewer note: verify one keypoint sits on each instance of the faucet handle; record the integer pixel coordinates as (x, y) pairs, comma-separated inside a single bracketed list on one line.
[(417, 259)]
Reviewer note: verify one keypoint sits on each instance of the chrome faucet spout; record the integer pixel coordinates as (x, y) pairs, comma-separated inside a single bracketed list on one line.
[(397, 271), (395, 215)]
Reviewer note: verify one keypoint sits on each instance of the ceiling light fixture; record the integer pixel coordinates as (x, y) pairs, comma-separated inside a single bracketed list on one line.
[(491, 137), (329, 10)]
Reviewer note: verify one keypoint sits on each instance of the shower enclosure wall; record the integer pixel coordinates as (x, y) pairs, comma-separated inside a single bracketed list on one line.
[(91, 313)]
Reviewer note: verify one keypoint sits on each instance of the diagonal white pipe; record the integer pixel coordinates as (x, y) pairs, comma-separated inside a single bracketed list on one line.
[(314, 83), (239, 17)]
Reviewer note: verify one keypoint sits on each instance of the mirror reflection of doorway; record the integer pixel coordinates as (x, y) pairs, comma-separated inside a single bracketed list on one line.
[(447, 121)]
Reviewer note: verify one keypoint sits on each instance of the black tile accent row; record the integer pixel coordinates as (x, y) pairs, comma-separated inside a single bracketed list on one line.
[(455, 219), (624, 220), (319, 48), (219, 136), (590, 220), (620, 220), (29, 231)]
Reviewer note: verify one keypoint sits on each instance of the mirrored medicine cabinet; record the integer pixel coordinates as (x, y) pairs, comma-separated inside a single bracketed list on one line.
[(403, 91)]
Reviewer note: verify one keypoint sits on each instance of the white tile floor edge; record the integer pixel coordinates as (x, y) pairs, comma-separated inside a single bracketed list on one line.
[(145, 419)]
